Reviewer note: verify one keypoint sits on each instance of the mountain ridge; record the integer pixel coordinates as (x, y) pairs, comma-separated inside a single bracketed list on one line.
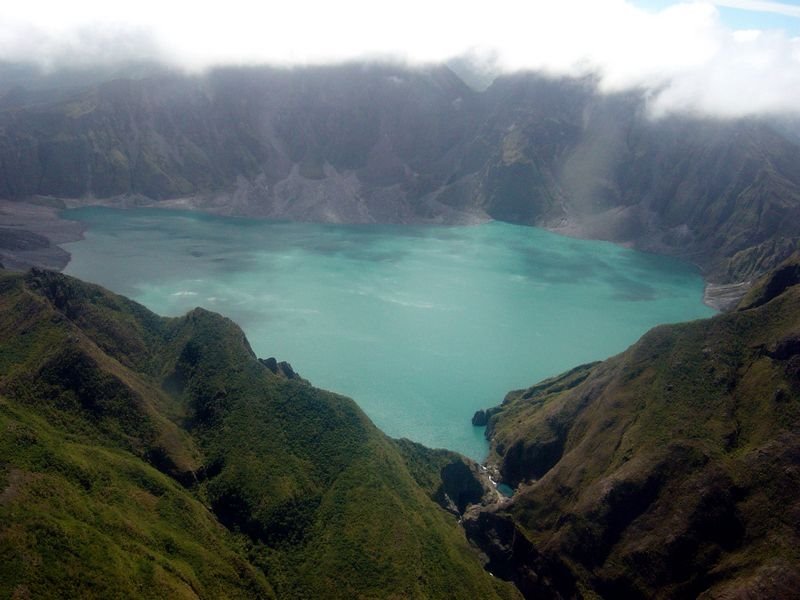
[(380, 143), (188, 468)]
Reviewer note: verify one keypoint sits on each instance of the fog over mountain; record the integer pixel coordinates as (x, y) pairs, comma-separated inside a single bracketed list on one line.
[(684, 55)]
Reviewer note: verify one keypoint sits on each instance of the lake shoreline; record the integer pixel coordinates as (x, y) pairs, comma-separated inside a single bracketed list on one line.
[(31, 234), (41, 217)]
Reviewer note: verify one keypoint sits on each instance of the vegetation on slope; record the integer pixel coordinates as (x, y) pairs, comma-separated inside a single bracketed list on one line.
[(82, 519), (144, 456), (670, 470)]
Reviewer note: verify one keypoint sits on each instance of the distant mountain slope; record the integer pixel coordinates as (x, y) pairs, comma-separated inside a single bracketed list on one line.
[(669, 471), (353, 144), (723, 194), (371, 143), (152, 457)]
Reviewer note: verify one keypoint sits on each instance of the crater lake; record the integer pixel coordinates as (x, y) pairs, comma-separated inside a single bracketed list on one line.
[(421, 325)]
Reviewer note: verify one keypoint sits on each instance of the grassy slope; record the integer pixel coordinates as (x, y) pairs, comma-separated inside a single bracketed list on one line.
[(83, 513), (288, 489), (84, 520), (670, 470)]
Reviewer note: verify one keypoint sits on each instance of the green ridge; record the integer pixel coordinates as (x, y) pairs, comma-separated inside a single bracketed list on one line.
[(152, 457)]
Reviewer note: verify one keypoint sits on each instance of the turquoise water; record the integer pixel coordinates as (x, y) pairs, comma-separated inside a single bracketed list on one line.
[(420, 325)]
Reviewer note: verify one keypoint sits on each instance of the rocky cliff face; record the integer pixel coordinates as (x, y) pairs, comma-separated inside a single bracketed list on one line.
[(386, 144), (668, 471)]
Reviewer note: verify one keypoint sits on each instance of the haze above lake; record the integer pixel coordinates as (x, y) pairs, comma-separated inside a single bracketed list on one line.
[(421, 325)]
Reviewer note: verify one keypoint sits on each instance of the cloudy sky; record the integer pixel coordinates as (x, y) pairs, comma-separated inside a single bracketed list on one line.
[(724, 57)]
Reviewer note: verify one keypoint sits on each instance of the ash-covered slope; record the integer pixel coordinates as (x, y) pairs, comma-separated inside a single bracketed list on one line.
[(669, 471), (152, 457)]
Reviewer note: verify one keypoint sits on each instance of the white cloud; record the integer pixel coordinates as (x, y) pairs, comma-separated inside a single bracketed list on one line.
[(684, 53), (761, 6)]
